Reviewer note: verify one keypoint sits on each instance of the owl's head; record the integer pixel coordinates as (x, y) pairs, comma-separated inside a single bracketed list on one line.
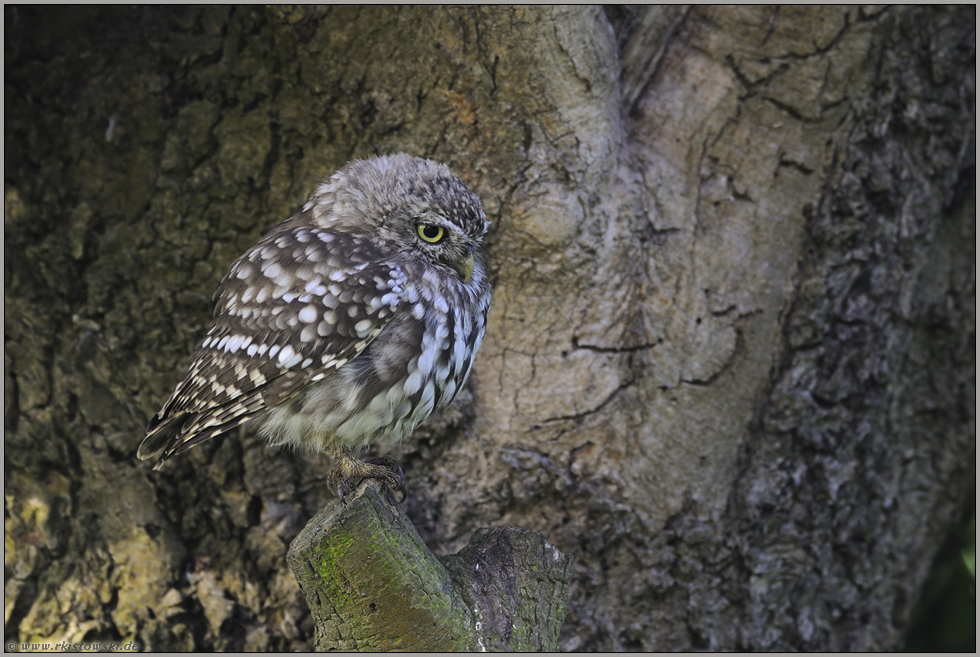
[(415, 207)]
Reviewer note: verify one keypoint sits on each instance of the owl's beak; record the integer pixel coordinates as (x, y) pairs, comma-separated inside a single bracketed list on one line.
[(465, 267)]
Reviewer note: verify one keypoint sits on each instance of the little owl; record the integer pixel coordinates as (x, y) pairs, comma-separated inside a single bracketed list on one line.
[(350, 322)]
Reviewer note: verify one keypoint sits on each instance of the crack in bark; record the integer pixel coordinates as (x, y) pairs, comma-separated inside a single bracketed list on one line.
[(584, 414), (613, 350)]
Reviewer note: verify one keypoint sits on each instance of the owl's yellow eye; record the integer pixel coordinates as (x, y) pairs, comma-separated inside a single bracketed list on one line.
[(431, 233)]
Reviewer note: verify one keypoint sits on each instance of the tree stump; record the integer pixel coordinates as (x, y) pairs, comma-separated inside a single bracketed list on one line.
[(372, 584)]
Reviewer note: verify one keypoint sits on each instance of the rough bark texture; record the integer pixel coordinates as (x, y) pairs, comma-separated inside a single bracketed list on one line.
[(372, 585), (730, 364)]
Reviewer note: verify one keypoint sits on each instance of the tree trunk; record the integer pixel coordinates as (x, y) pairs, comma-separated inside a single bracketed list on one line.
[(730, 362)]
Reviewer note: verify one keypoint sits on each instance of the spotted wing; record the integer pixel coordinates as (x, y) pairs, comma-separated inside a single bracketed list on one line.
[(297, 306)]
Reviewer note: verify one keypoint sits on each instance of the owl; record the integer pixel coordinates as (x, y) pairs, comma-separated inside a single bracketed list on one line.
[(348, 323)]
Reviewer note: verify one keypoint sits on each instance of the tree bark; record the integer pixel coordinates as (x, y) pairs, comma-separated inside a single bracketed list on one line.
[(730, 363)]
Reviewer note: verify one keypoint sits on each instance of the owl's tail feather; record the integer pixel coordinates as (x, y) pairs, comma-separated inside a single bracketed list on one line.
[(159, 434), (168, 436), (171, 432)]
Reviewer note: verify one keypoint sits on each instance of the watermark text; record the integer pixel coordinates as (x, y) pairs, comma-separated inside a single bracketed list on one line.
[(71, 646)]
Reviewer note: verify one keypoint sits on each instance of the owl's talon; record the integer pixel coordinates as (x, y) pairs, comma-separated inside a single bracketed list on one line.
[(384, 469), (392, 477)]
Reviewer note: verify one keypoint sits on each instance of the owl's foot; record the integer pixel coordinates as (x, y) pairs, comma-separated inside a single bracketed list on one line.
[(351, 471)]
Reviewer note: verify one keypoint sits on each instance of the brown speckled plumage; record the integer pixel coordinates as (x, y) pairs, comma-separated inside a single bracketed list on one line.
[(345, 324)]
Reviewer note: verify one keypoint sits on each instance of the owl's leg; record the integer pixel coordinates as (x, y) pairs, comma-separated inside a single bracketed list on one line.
[(351, 471)]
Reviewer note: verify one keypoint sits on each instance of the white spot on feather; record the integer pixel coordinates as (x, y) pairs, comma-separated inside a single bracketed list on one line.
[(285, 354), (272, 270), (308, 315)]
